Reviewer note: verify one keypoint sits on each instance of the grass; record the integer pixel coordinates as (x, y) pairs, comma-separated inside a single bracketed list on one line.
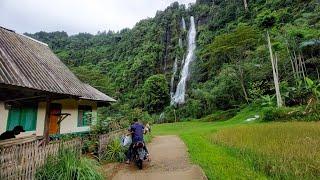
[(236, 149), (69, 165), (115, 152)]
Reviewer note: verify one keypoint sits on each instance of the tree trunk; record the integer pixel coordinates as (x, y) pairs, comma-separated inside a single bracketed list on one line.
[(275, 75), (304, 65), (242, 83), (296, 64), (301, 66), (292, 66)]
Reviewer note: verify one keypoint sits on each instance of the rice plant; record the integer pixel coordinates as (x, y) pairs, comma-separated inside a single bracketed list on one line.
[(280, 150)]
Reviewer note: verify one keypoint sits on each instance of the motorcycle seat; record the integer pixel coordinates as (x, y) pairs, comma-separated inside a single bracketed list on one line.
[(139, 144)]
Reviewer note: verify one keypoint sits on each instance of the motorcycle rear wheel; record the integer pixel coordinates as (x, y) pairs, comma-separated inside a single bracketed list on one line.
[(139, 163)]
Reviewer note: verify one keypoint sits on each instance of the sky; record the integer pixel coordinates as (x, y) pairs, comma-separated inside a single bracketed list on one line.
[(74, 16)]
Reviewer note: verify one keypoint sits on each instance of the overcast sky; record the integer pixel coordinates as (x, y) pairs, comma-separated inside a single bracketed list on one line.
[(75, 16)]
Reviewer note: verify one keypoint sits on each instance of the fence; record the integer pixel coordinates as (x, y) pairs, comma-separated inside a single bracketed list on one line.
[(21, 161), (104, 139)]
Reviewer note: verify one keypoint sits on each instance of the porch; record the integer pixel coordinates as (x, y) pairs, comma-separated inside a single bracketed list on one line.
[(42, 113)]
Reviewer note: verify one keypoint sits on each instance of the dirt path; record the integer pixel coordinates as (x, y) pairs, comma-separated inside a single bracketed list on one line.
[(169, 161)]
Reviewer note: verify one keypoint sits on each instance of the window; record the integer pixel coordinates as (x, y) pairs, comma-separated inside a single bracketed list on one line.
[(84, 115), (23, 116)]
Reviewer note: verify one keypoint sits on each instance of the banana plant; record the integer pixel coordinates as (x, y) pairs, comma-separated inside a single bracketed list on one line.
[(268, 101), (313, 88)]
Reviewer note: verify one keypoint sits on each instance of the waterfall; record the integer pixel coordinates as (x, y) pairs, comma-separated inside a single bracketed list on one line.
[(179, 96), (180, 43), (174, 71), (161, 118), (183, 24), (183, 58)]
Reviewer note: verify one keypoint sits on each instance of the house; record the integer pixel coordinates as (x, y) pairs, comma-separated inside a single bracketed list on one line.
[(39, 92)]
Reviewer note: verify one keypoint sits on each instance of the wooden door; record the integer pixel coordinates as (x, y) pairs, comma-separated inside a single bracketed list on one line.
[(55, 109)]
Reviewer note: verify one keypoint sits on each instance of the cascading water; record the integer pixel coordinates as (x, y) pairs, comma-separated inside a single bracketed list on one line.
[(180, 43), (183, 24), (174, 71), (183, 58), (179, 96), (161, 118)]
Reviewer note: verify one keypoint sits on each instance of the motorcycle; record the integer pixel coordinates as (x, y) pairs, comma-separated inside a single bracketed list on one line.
[(139, 154)]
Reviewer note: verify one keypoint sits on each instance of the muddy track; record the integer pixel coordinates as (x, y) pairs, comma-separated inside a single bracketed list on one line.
[(169, 161)]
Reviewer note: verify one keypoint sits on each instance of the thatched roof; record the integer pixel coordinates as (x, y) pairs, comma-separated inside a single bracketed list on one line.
[(26, 62)]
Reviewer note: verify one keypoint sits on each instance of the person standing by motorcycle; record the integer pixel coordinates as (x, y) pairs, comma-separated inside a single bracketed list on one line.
[(147, 128), (136, 130)]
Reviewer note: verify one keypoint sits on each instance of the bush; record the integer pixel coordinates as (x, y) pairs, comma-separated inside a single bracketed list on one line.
[(191, 109), (220, 116), (90, 145), (68, 164), (168, 116), (289, 114), (115, 152), (156, 93)]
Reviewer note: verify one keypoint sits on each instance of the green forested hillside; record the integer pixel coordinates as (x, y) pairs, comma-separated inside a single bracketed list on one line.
[(232, 66)]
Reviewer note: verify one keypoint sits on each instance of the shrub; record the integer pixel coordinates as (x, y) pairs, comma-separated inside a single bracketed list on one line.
[(102, 127), (90, 145), (267, 101), (115, 152), (169, 115), (289, 114), (220, 115), (156, 93), (68, 164), (191, 109)]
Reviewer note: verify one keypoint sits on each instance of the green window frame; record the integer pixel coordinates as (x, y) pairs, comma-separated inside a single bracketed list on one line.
[(84, 115), (25, 116)]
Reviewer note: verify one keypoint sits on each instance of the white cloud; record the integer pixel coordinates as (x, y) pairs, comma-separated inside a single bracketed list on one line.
[(76, 16)]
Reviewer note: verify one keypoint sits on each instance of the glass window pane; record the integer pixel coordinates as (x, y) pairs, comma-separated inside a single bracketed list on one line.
[(84, 115), (80, 117)]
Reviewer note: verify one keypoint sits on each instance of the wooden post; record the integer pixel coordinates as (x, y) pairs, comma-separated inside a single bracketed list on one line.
[(47, 120)]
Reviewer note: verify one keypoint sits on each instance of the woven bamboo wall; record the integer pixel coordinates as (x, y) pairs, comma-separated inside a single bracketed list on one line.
[(21, 161), (104, 139)]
